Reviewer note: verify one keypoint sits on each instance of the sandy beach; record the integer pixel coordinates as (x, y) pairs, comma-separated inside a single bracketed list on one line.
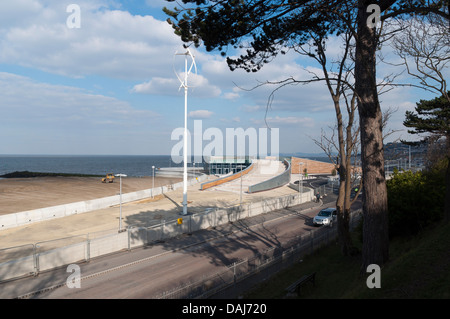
[(22, 194)]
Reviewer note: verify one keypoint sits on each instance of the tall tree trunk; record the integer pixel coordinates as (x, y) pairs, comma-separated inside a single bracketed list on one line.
[(375, 248), (343, 213), (344, 237), (447, 182)]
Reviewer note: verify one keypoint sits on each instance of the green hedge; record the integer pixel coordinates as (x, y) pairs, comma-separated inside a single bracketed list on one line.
[(415, 200)]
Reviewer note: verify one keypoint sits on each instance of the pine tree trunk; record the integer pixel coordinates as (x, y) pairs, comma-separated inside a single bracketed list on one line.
[(343, 207), (447, 183), (375, 248), (344, 238)]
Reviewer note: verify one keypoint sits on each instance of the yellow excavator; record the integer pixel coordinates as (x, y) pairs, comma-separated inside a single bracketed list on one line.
[(109, 178)]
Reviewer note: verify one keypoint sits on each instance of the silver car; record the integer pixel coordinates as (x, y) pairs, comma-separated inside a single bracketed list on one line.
[(325, 217)]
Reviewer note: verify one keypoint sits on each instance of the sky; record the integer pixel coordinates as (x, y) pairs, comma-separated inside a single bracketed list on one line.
[(109, 85)]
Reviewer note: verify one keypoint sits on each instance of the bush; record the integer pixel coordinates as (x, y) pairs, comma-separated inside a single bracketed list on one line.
[(415, 200)]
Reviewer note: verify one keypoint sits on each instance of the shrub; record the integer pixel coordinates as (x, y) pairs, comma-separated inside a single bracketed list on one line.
[(415, 200)]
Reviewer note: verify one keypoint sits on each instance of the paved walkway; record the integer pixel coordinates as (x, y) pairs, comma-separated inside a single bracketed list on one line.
[(141, 213), (55, 277), (262, 171)]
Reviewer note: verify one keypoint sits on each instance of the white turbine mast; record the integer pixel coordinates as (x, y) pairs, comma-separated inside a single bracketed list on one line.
[(184, 84)]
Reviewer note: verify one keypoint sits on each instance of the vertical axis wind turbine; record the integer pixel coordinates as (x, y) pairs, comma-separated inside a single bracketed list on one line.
[(184, 83)]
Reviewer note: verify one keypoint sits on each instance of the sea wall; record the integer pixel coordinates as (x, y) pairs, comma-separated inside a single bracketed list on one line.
[(47, 213), (33, 258), (277, 181)]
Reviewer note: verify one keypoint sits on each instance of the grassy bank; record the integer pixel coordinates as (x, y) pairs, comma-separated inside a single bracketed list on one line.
[(27, 174), (419, 267)]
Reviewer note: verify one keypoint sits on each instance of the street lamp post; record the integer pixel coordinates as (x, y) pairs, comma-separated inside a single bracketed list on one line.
[(240, 197), (300, 182), (193, 164), (120, 218), (153, 183), (184, 84)]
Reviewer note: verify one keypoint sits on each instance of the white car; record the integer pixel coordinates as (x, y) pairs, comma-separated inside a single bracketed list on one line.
[(325, 217)]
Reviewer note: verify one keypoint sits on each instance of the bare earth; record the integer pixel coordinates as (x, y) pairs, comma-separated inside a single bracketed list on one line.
[(25, 194), (22, 194)]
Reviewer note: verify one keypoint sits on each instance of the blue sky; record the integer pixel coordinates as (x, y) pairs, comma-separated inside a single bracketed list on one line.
[(109, 87)]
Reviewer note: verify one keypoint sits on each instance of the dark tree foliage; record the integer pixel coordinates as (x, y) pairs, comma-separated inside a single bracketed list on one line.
[(416, 200), (433, 118), (262, 29), (430, 116), (265, 28)]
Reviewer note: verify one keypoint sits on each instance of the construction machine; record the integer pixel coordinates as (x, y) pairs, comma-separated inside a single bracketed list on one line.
[(109, 178)]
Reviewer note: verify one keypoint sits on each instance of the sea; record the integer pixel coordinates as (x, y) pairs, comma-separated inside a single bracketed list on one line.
[(131, 165)]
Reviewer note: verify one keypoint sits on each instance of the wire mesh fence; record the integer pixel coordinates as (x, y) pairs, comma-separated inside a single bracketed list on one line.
[(45, 255), (265, 263)]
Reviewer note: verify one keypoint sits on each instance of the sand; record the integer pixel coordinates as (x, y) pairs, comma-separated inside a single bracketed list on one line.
[(18, 195), (22, 194)]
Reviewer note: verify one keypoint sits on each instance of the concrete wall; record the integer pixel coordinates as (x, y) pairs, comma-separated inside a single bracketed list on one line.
[(42, 214), (225, 179), (277, 181), (48, 258)]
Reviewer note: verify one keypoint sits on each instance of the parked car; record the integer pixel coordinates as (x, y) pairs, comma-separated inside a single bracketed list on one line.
[(325, 217)]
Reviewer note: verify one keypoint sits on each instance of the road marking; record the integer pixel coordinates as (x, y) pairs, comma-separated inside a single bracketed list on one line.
[(33, 293)]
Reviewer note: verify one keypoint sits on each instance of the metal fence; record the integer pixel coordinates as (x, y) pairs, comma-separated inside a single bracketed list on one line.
[(267, 263), (31, 259)]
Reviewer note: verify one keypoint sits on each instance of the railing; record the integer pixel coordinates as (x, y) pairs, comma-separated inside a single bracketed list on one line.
[(265, 264), (42, 214), (31, 259)]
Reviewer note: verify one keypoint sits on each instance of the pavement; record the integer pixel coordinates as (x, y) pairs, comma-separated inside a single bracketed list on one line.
[(262, 171), (128, 266), (141, 213)]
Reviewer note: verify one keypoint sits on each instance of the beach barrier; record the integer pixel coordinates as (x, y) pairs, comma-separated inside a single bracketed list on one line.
[(277, 181), (59, 211), (227, 178), (31, 259)]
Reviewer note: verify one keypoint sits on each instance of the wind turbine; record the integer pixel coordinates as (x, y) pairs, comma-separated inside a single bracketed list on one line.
[(184, 84)]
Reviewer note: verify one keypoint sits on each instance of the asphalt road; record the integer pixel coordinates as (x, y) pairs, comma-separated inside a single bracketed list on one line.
[(161, 267)]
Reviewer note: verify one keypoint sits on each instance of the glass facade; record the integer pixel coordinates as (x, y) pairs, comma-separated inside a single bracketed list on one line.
[(224, 165)]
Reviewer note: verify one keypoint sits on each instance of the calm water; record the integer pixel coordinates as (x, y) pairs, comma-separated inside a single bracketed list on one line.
[(131, 165), (96, 165)]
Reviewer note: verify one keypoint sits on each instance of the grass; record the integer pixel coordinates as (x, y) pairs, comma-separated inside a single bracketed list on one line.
[(419, 267)]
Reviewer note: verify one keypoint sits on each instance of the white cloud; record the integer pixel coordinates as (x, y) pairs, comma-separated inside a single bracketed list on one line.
[(231, 96), (252, 108), (198, 86), (157, 85), (109, 43), (62, 109), (200, 114), (288, 120)]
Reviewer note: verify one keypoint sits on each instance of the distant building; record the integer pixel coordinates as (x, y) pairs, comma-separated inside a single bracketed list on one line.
[(222, 165), (311, 166), (314, 167)]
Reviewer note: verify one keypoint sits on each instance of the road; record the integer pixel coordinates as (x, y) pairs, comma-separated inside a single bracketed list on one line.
[(161, 267)]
